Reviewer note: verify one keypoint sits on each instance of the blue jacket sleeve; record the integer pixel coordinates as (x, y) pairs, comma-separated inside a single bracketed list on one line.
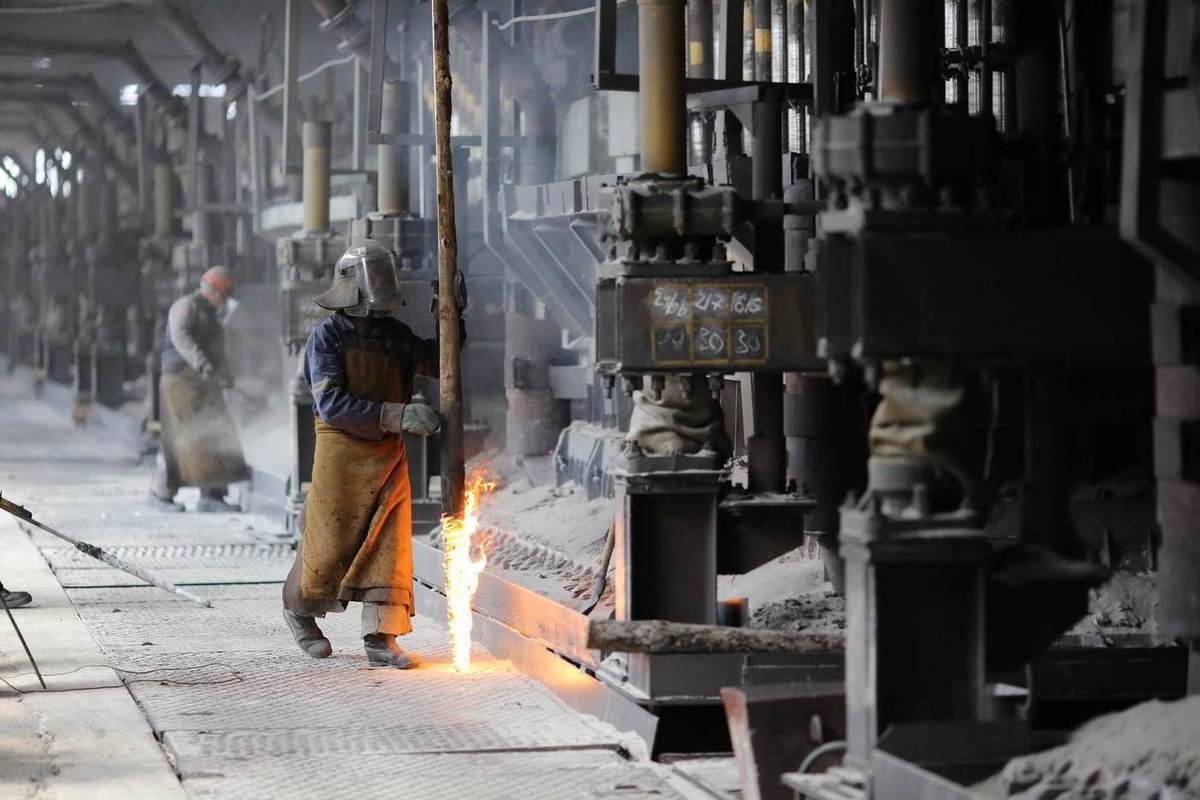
[(326, 378)]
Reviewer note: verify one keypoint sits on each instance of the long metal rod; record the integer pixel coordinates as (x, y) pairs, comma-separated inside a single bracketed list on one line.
[(92, 551), (961, 35), (359, 152), (291, 62), (256, 182), (195, 126), (21, 636), (450, 385)]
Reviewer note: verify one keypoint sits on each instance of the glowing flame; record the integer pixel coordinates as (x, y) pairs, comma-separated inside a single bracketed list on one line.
[(462, 569)]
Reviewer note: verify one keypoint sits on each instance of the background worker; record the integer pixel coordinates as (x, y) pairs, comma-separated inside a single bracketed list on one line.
[(356, 543), (200, 446)]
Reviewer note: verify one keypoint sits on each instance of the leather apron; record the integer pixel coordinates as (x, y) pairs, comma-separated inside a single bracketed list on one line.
[(200, 441), (357, 539)]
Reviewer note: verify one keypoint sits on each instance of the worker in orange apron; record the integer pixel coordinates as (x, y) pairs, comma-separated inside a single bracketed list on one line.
[(356, 542)]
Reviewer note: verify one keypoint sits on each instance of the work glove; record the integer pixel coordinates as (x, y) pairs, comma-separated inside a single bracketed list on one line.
[(415, 418)]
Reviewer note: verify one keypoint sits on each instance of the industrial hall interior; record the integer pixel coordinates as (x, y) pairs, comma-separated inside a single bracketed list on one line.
[(636, 399)]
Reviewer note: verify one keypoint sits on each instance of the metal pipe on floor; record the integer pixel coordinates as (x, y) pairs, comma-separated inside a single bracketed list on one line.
[(663, 103), (317, 138)]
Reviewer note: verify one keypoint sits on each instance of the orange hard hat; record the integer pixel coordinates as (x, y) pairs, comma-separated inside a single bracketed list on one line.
[(220, 279)]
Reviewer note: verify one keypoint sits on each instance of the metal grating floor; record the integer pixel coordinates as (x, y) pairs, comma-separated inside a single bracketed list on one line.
[(262, 572), (228, 554), (500, 776), (240, 712), (124, 597)]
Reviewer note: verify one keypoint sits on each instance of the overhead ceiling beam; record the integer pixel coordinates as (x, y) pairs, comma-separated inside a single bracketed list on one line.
[(80, 85), (91, 136), (123, 51)]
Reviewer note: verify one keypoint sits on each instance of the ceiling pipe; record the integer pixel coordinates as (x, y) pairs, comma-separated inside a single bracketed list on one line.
[(338, 17)]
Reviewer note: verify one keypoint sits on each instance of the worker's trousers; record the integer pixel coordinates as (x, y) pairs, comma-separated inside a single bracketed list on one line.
[(166, 485), (376, 617)]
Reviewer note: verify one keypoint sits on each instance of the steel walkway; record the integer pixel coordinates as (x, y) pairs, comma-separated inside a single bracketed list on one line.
[(237, 710)]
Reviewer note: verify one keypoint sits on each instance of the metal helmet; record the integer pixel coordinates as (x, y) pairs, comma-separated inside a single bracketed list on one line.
[(365, 276)]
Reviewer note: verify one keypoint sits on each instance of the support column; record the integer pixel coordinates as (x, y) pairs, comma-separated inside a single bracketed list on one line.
[(766, 448)]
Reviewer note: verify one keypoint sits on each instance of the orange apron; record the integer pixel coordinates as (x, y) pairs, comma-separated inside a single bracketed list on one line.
[(357, 540)]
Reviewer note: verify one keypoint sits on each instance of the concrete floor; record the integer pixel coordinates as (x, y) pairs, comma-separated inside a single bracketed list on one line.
[(153, 696)]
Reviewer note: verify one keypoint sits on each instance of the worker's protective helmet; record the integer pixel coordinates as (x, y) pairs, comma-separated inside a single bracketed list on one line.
[(218, 279), (364, 280)]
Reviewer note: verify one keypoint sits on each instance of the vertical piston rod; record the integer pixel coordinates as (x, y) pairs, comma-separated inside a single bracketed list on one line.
[(316, 137), (910, 40), (661, 91), (392, 189)]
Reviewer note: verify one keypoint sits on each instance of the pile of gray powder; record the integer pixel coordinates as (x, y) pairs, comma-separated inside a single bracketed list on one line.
[(1148, 752)]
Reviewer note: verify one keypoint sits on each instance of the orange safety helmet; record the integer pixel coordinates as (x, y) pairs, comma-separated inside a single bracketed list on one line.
[(219, 279)]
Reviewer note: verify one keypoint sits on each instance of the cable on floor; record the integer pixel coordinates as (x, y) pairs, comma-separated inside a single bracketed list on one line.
[(234, 677)]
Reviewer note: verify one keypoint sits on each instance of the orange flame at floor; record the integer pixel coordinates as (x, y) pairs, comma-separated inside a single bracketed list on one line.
[(462, 569)]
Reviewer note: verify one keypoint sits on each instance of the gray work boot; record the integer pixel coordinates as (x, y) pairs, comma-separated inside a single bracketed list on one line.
[(307, 635), (210, 504), (382, 651), (15, 599), (163, 504)]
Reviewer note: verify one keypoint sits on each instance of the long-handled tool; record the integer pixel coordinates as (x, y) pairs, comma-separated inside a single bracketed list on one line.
[(21, 636), (97, 553)]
